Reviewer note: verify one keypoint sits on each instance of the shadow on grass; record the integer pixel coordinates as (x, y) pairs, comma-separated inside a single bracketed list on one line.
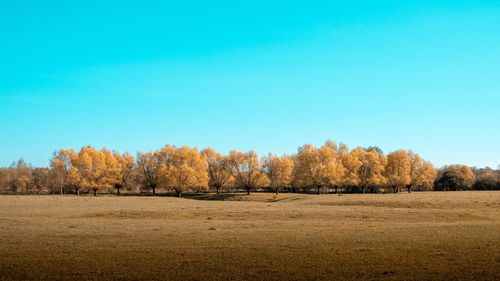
[(195, 196), (254, 197), (212, 196)]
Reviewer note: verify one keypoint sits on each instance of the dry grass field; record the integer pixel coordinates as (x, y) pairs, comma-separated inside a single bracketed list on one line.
[(418, 236)]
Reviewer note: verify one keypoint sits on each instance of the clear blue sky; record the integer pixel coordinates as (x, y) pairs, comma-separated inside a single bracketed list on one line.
[(262, 75)]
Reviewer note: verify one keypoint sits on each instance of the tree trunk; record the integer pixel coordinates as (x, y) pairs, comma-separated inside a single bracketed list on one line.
[(95, 191), (363, 189), (77, 192), (318, 187), (276, 191), (409, 189), (217, 190), (248, 191), (118, 191), (179, 194), (154, 189), (62, 193)]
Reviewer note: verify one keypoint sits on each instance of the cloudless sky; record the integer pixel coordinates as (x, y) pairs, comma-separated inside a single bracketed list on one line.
[(262, 75)]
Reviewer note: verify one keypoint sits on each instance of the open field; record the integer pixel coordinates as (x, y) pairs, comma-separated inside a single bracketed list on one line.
[(418, 236)]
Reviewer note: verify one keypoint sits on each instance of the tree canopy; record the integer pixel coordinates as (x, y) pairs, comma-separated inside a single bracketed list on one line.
[(182, 169)]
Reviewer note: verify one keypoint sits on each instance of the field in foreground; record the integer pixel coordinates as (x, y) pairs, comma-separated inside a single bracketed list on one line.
[(418, 236)]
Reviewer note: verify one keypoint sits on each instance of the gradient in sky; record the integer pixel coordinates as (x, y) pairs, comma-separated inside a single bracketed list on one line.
[(262, 75)]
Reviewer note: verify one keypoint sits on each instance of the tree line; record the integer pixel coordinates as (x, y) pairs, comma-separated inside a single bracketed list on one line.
[(325, 169)]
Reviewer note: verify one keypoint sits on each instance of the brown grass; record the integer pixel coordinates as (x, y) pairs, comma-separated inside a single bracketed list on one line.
[(418, 236)]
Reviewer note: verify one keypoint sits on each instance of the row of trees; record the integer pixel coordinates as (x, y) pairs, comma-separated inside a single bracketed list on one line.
[(330, 167)]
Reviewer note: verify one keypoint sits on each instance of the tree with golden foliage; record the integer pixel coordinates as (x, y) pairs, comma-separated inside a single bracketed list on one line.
[(122, 175), (331, 168), (279, 171), (247, 171), (319, 168), (64, 170), (371, 171), (297, 181), (182, 168), (149, 169), (217, 167), (397, 170), (308, 168), (351, 165), (96, 168), (333, 145), (422, 173)]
